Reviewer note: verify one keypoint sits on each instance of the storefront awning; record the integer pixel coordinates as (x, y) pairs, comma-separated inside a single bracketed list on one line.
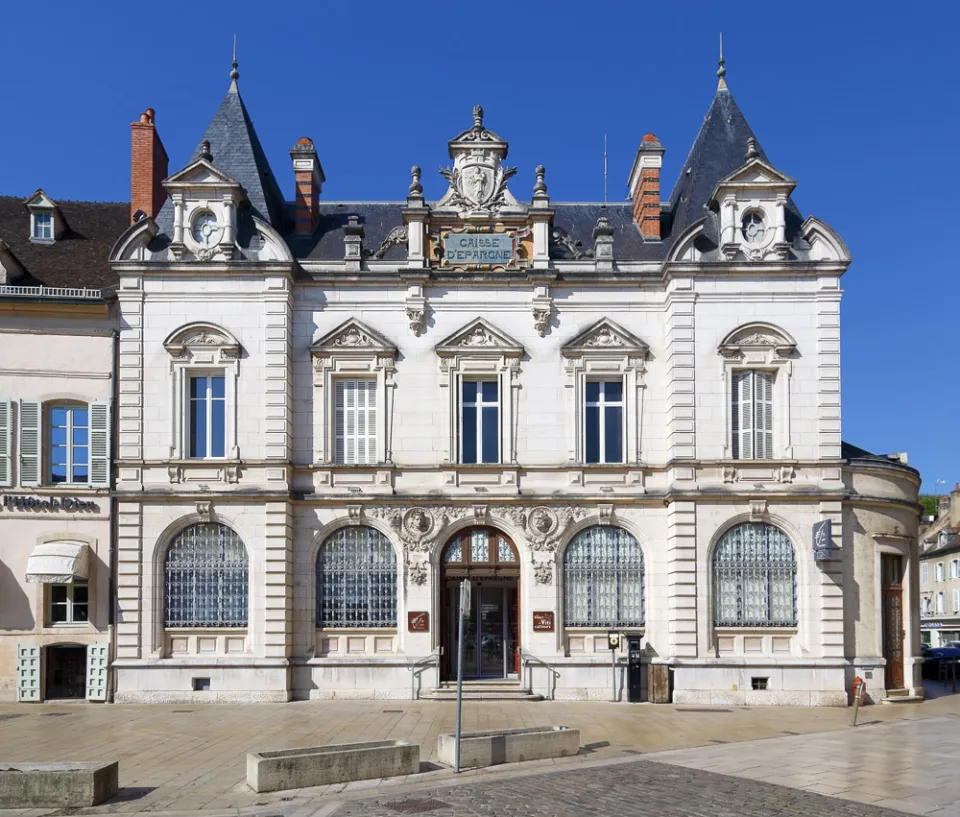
[(58, 563)]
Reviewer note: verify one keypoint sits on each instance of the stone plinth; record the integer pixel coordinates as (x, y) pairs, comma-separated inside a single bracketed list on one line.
[(509, 745), (57, 785)]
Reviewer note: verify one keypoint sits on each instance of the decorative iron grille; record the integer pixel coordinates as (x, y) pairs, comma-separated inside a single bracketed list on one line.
[(603, 579), (755, 577), (206, 578), (357, 580)]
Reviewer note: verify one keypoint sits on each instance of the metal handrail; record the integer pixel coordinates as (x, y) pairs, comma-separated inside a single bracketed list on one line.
[(527, 659), (49, 292), (417, 668)]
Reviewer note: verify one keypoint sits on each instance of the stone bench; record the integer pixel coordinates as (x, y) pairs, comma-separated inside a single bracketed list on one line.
[(320, 765), (57, 785), (509, 745)]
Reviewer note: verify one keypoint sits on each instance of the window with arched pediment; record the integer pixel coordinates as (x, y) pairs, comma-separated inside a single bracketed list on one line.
[(206, 578), (755, 577), (603, 579), (356, 579)]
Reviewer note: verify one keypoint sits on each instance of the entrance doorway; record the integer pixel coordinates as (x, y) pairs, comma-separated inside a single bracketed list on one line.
[(66, 672), (891, 572), (491, 631)]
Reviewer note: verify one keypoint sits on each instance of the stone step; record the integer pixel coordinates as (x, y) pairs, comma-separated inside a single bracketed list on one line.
[(901, 699), (482, 691)]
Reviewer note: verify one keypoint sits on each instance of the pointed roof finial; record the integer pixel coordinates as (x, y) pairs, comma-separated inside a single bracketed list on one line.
[(477, 117), (752, 152), (721, 71), (234, 74)]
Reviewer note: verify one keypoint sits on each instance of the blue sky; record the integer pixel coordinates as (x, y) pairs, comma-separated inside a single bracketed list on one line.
[(855, 100)]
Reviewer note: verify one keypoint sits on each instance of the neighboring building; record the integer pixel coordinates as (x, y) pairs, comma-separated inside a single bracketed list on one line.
[(940, 574), (609, 417), (58, 322)]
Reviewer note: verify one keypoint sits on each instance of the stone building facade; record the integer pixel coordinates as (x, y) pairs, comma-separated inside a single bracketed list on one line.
[(58, 329), (609, 417), (940, 574)]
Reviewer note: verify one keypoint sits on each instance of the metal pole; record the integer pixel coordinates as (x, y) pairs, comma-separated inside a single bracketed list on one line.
[(456, 759), (613, 664), (857, 698)]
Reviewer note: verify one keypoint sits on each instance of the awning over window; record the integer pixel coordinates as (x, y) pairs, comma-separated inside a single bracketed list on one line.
[(58, 563)]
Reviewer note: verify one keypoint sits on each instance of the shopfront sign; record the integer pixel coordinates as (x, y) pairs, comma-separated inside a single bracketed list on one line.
[(418, 622), (478, 249), (822, 540), (19, 502)]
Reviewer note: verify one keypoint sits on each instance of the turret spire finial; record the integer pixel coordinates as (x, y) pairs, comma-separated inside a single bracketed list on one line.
[(721, 71), (234, 74)]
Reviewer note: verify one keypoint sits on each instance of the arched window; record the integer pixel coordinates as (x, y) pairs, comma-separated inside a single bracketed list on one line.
[(206, 578), (356, 580), (755, 577), (603, 579)]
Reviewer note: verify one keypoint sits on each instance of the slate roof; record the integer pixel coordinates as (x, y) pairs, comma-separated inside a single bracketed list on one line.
[(719, 149), (237, 151), (848, 451), (78, 258)]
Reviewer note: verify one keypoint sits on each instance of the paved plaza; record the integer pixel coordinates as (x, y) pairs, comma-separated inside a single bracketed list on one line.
[(695, 760)]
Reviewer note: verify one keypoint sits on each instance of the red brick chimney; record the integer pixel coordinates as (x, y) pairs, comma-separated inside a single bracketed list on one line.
[(645, 187), (148, 167), (309, 179)]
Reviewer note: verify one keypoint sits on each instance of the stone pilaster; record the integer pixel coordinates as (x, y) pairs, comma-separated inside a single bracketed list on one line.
[(278, 329), (828, 369), (681, 372), (829, 586), (278, 580), (682, 579), (130, 629), (130, 378)]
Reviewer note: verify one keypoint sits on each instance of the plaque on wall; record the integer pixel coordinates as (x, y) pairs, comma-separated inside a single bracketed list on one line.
[(543, 621), (418, 622), (478, 249)]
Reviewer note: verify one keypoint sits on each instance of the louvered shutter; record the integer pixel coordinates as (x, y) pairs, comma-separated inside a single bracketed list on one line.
[(743, 415), (6, 440), (100, 445), (367, 422), (97, 668), (763, 415), (30, 442), (339, 441)]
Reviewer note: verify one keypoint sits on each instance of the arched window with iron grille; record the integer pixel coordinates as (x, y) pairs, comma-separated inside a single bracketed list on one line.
[(206, 578), (356, 579), (603, 579), (755, 577)]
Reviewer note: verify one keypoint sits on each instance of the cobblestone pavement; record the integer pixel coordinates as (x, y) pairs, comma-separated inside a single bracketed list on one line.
[(638, 789)]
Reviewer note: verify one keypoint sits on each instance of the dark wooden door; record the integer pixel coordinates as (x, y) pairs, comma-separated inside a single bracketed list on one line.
[(66, 672), (892, 591)]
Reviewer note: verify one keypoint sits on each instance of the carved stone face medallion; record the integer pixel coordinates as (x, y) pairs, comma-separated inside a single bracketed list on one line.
[(417, 523), (542, 521)]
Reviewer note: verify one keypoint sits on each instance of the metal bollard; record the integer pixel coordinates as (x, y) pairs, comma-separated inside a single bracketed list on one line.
[(857, 700)]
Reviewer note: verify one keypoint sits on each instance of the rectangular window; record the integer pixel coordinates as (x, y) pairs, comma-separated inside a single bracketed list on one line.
[(43, 226), (68, 604), (355, 422), (752, 395), (940, 602), (924, 573), (939, 571), (207, 416), (479, 421), (69, 445), (956, 600), (603, 421), (953, 568)]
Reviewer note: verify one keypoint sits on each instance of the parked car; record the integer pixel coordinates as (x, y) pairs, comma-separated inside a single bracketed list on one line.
[(934, 656)]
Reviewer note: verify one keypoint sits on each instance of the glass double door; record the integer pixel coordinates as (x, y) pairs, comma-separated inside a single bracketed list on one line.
[(489, 631)]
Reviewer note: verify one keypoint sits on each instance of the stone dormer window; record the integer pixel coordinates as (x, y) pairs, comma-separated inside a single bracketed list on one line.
[(46, 222)]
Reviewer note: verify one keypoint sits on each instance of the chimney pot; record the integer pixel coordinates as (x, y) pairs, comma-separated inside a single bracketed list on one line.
[(148, 167)]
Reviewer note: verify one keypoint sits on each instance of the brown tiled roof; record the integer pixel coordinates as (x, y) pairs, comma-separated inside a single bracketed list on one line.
[(79, 258)]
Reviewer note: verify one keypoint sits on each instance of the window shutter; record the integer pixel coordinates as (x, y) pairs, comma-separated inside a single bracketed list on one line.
[(368, 451), (6, 425), (350, 422), (339, 446), (100, 445), (30, 442), (763, 415), (28, 672), (743, 413), (97, 667)]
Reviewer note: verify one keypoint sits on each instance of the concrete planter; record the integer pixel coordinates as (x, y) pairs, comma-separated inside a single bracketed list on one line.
[(341, 763), (57, 785), (509, 745)]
